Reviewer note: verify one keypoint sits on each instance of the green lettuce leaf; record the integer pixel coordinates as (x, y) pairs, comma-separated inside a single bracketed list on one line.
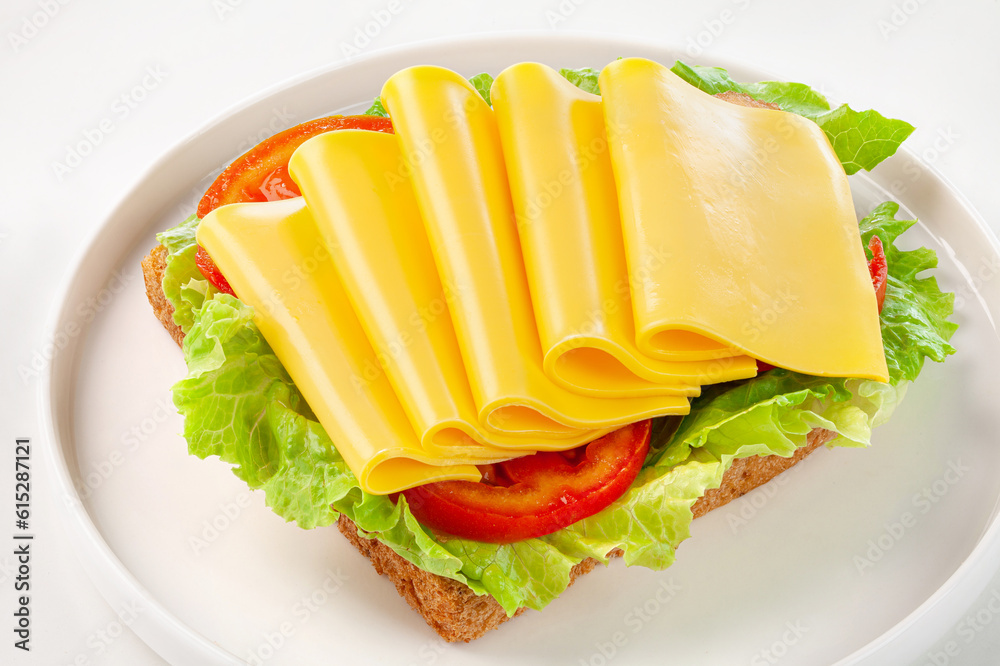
[(482, 83), (179, 238), (861, 139), (183, 284), (712, 80), (376, 109), (584, 78), (792, 97), (914, 318), (240, 405)]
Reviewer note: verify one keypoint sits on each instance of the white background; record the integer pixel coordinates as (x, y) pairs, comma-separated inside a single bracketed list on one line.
[(65, 66)]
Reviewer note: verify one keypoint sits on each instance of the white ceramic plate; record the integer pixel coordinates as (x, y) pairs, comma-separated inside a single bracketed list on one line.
[(842, 558)]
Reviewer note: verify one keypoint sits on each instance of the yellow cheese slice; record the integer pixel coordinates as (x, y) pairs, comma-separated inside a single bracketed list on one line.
[(272, 255), (376, 237), (753, 211), (566, 206), (451, 145)]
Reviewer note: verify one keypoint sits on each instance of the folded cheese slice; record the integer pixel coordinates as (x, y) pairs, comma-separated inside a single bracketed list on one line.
[(566, 206), (753, 212), (451, 146), (272, 255), (375, 234)]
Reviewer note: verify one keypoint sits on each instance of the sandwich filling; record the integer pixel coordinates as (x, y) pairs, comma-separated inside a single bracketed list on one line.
[(517, 361), (679, 248)]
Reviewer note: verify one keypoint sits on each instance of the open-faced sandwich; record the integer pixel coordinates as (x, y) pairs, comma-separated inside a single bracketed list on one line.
[(502, 330)]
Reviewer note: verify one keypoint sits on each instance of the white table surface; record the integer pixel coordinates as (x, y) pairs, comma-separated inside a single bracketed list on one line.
[(65, 65)]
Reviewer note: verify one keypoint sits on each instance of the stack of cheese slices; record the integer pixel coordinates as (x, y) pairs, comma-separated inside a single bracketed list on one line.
[(489, 282)]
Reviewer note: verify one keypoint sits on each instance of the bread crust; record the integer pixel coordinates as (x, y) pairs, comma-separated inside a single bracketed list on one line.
[(153, 266), (449, 607)]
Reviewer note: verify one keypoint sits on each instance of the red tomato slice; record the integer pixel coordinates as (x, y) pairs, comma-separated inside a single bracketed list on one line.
[(879, 269), (261, 174), (537, 494), (211, 271)]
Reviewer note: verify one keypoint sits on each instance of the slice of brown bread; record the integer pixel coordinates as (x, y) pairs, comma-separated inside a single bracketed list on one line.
[(450, 608)]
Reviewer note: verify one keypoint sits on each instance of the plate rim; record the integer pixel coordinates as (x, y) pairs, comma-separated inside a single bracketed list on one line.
[(172, 639)]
